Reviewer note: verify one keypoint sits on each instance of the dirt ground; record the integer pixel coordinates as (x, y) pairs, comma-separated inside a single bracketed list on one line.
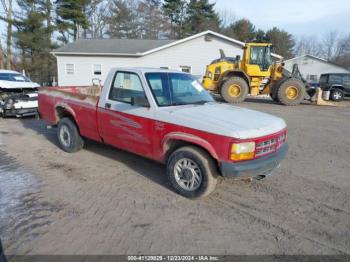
[(105, 201)]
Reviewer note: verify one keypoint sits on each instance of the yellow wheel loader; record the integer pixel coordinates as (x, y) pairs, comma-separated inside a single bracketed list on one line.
[(255, 74)]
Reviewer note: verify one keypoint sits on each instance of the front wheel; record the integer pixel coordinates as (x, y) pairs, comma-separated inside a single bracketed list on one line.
[(337, 95), (291, 92), (234, 90), (192, 172), (68, 136)]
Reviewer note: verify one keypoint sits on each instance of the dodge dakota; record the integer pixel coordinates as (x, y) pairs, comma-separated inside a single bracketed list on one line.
[(169, 117)]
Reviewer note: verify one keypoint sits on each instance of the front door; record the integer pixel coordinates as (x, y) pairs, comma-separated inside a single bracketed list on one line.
[(123, 124)]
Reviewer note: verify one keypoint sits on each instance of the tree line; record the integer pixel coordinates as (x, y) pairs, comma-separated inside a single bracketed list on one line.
[(36, 27)]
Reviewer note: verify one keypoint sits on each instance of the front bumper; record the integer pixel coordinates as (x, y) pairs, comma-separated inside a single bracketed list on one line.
[(262, 166), (20, 112)]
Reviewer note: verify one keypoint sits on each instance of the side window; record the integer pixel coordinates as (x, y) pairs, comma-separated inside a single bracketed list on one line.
[(70, 69), (5, 77), (335, 79), (125, 86)]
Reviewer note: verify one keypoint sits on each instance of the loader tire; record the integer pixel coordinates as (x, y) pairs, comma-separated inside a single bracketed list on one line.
[(274, 89), (68, 136), (234, 90), (291, 92)]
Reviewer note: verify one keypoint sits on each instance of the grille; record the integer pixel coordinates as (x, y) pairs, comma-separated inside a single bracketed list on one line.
[(270, 145)]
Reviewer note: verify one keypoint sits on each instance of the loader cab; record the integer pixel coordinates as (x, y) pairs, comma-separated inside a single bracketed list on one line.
[(257, 59)]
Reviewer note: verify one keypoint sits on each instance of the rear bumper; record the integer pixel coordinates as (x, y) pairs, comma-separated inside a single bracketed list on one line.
[(262, 166)]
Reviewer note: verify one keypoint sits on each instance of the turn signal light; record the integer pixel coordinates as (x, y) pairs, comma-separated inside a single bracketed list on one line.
[(242, 151)]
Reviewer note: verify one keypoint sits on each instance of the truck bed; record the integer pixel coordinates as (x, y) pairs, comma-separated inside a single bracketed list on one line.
[(80, 101)]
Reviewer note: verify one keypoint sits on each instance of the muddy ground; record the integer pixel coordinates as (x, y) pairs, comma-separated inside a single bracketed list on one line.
[(106, 201)]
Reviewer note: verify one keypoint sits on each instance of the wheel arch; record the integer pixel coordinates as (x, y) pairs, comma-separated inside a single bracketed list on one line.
[(337, 87), (64, 110), (174, 141), (234, 73)]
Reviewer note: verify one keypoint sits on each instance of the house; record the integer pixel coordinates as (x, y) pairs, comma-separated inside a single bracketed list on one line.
[(85, 60), (311, 67)]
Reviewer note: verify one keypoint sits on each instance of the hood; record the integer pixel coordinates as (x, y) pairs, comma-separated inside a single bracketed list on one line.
[(14, 85), (226, 120)]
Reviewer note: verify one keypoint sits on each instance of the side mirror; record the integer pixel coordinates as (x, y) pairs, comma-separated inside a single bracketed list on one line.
[(140, 101), (238, 57)]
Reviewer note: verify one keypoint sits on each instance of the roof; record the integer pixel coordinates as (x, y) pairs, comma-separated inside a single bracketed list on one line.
[(111, 46), (144, 70), (319, 59), (132, 47)]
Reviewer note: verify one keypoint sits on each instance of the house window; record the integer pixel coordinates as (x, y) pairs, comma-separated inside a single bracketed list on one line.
[(312, 78), (186, 69), (70, 69), (97, 69)]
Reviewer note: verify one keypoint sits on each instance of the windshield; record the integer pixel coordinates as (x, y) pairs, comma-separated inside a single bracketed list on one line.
[(261, 55), (13, 77), (170, 89)]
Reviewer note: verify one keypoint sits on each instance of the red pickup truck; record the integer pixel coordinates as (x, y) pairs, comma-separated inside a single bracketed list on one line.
[(168, 116)]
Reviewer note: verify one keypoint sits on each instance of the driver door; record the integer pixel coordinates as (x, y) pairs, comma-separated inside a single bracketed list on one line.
[(123, 124)]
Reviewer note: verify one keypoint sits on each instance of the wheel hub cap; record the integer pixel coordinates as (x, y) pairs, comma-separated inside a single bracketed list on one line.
[(292, 92), (187, 174), (234, 90), (65, 136)]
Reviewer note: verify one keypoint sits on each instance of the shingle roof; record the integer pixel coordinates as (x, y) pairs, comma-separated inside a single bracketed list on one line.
[(112, 46)]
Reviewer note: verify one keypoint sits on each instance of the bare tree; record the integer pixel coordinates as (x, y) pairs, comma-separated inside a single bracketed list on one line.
[(308, 45), (330, 45), (97, 13)]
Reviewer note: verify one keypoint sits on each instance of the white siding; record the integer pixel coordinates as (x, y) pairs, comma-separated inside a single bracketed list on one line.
[(196, 53), (311, 66)]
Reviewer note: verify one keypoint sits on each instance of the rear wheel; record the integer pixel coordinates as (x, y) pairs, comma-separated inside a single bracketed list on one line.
[(234, 90), (291, 92), (337, 95), (68, 136), (192, 172)]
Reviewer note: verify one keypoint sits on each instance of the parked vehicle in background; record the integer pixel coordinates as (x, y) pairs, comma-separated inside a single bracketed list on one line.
[(169, 117), (18, 94), (338, 84)]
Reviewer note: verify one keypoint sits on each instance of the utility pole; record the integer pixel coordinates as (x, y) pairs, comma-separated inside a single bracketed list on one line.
[(9, 36)]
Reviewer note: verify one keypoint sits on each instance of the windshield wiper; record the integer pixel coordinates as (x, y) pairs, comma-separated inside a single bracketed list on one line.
[(201, 102)]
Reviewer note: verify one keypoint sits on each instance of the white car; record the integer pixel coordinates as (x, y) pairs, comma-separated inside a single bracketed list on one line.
[(18, 94)]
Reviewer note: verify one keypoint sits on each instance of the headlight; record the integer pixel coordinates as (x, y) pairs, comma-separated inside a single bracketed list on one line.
[(9, 103), (242, 151)]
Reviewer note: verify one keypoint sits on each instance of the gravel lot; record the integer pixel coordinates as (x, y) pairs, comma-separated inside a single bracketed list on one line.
[(105, 201)]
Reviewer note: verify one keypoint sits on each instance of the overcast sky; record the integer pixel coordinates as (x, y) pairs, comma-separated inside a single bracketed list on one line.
[(299, 17)]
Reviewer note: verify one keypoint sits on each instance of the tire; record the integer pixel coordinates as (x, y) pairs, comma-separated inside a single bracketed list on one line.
[(228, 92), (68, 136), (190, 159), (274, 89), (291, 92), (337, 95)]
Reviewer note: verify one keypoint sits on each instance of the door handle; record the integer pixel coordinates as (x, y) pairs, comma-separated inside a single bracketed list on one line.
[(108, 105)]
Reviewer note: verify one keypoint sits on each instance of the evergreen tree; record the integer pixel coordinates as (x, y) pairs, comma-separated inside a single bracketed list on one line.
[(33, 38), (201, 16), (122, 20), (175, 12), (282, 41), (71, 17), (242, 30)]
